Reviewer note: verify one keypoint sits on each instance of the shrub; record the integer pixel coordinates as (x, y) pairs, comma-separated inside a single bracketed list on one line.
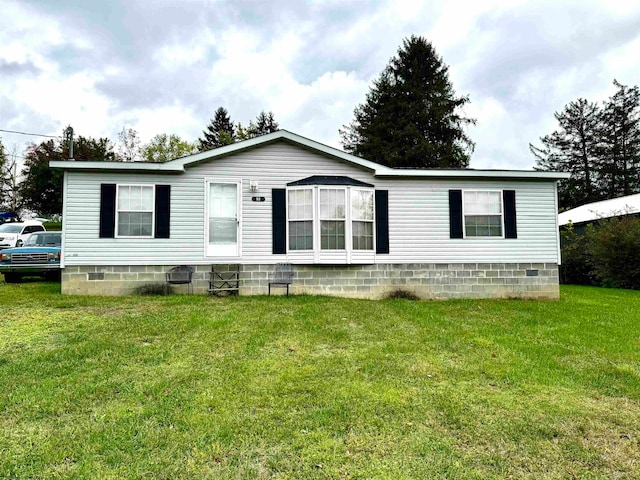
[(403, 294), (607, 254), (575, 268), (153, 289), (613, 249)]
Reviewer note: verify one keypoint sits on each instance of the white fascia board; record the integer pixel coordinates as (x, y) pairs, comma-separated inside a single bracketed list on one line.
[(469, 173), (122, 166), (272, 137), (178, 165)]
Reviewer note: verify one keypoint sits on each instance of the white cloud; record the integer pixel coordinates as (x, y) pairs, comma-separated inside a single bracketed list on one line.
[(166, 68)]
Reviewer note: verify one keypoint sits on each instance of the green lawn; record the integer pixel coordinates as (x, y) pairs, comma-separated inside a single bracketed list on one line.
[(316, 387)]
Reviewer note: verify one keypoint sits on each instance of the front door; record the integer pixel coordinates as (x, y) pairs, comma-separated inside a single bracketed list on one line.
[(224, 223)]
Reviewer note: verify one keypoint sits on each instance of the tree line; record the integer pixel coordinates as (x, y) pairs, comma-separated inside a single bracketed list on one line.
[(38, 187), (599, 144), (411, 118)]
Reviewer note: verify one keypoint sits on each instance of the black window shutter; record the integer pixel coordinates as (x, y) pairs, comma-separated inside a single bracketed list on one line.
[(455, 214), (509, 201), (279, 220), (107, 210), (163, 211), (382, 221)]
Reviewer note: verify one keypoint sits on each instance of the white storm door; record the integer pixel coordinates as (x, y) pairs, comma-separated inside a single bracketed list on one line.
[(224, 223)]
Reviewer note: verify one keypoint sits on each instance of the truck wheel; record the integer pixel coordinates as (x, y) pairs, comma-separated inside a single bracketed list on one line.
[(12, 278), (52, 276)]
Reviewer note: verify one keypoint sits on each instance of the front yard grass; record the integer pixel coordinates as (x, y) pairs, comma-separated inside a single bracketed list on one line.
[(318, 387)]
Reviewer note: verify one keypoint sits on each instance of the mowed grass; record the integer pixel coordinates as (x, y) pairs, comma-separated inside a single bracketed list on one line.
[(318, 387)]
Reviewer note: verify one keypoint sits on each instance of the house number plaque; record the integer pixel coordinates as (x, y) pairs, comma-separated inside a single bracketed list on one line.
[(257, 199)]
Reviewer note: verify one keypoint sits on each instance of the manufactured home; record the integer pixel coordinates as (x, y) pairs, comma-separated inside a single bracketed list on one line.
[(347, 226)]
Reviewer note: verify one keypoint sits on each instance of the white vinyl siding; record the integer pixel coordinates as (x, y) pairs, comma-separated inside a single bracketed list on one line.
[(418, 215)]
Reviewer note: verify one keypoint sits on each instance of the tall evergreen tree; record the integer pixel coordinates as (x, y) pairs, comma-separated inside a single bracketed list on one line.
[(576, 148), (621, 139), (266, 123), (219, 132), (411, 116)]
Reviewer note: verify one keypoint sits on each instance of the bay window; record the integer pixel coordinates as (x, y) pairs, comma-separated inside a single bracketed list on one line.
[(330, 218)]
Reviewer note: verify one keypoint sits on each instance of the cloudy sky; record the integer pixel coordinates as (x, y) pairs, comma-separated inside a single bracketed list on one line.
[(164, 66)]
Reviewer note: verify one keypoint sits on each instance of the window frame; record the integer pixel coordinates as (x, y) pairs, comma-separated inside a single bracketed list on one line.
[(372, 191), (501, 214), (347, 205), (317, 251), (118, 210), (312, 219)]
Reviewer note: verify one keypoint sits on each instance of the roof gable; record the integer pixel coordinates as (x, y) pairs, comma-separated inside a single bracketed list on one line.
[(280, 135)]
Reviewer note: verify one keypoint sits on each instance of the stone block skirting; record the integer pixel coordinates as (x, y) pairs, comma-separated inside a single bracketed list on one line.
[(426, 280)]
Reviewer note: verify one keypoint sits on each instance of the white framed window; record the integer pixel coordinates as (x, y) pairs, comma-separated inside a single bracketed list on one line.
[(362, 219), (300, 218), (135, 211), (482, 213), (332, 218)]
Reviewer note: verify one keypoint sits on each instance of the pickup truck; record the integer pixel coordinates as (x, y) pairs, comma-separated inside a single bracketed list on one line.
[(39, 256)]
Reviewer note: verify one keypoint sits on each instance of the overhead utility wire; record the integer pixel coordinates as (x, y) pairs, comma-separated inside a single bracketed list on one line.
[(32, 134)]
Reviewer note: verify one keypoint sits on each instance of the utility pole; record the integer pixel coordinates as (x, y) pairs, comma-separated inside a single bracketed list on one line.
[(68, 137)]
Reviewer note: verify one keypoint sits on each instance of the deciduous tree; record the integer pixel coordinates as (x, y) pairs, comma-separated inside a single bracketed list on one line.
[(128, 145), (9, 194), (41, 185), (163, 148)]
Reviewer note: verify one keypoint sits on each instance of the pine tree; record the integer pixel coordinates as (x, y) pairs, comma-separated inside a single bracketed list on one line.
[(411, 116), (245, 133), (576, 148), (621, 162), (265, 123), (219, 132)]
